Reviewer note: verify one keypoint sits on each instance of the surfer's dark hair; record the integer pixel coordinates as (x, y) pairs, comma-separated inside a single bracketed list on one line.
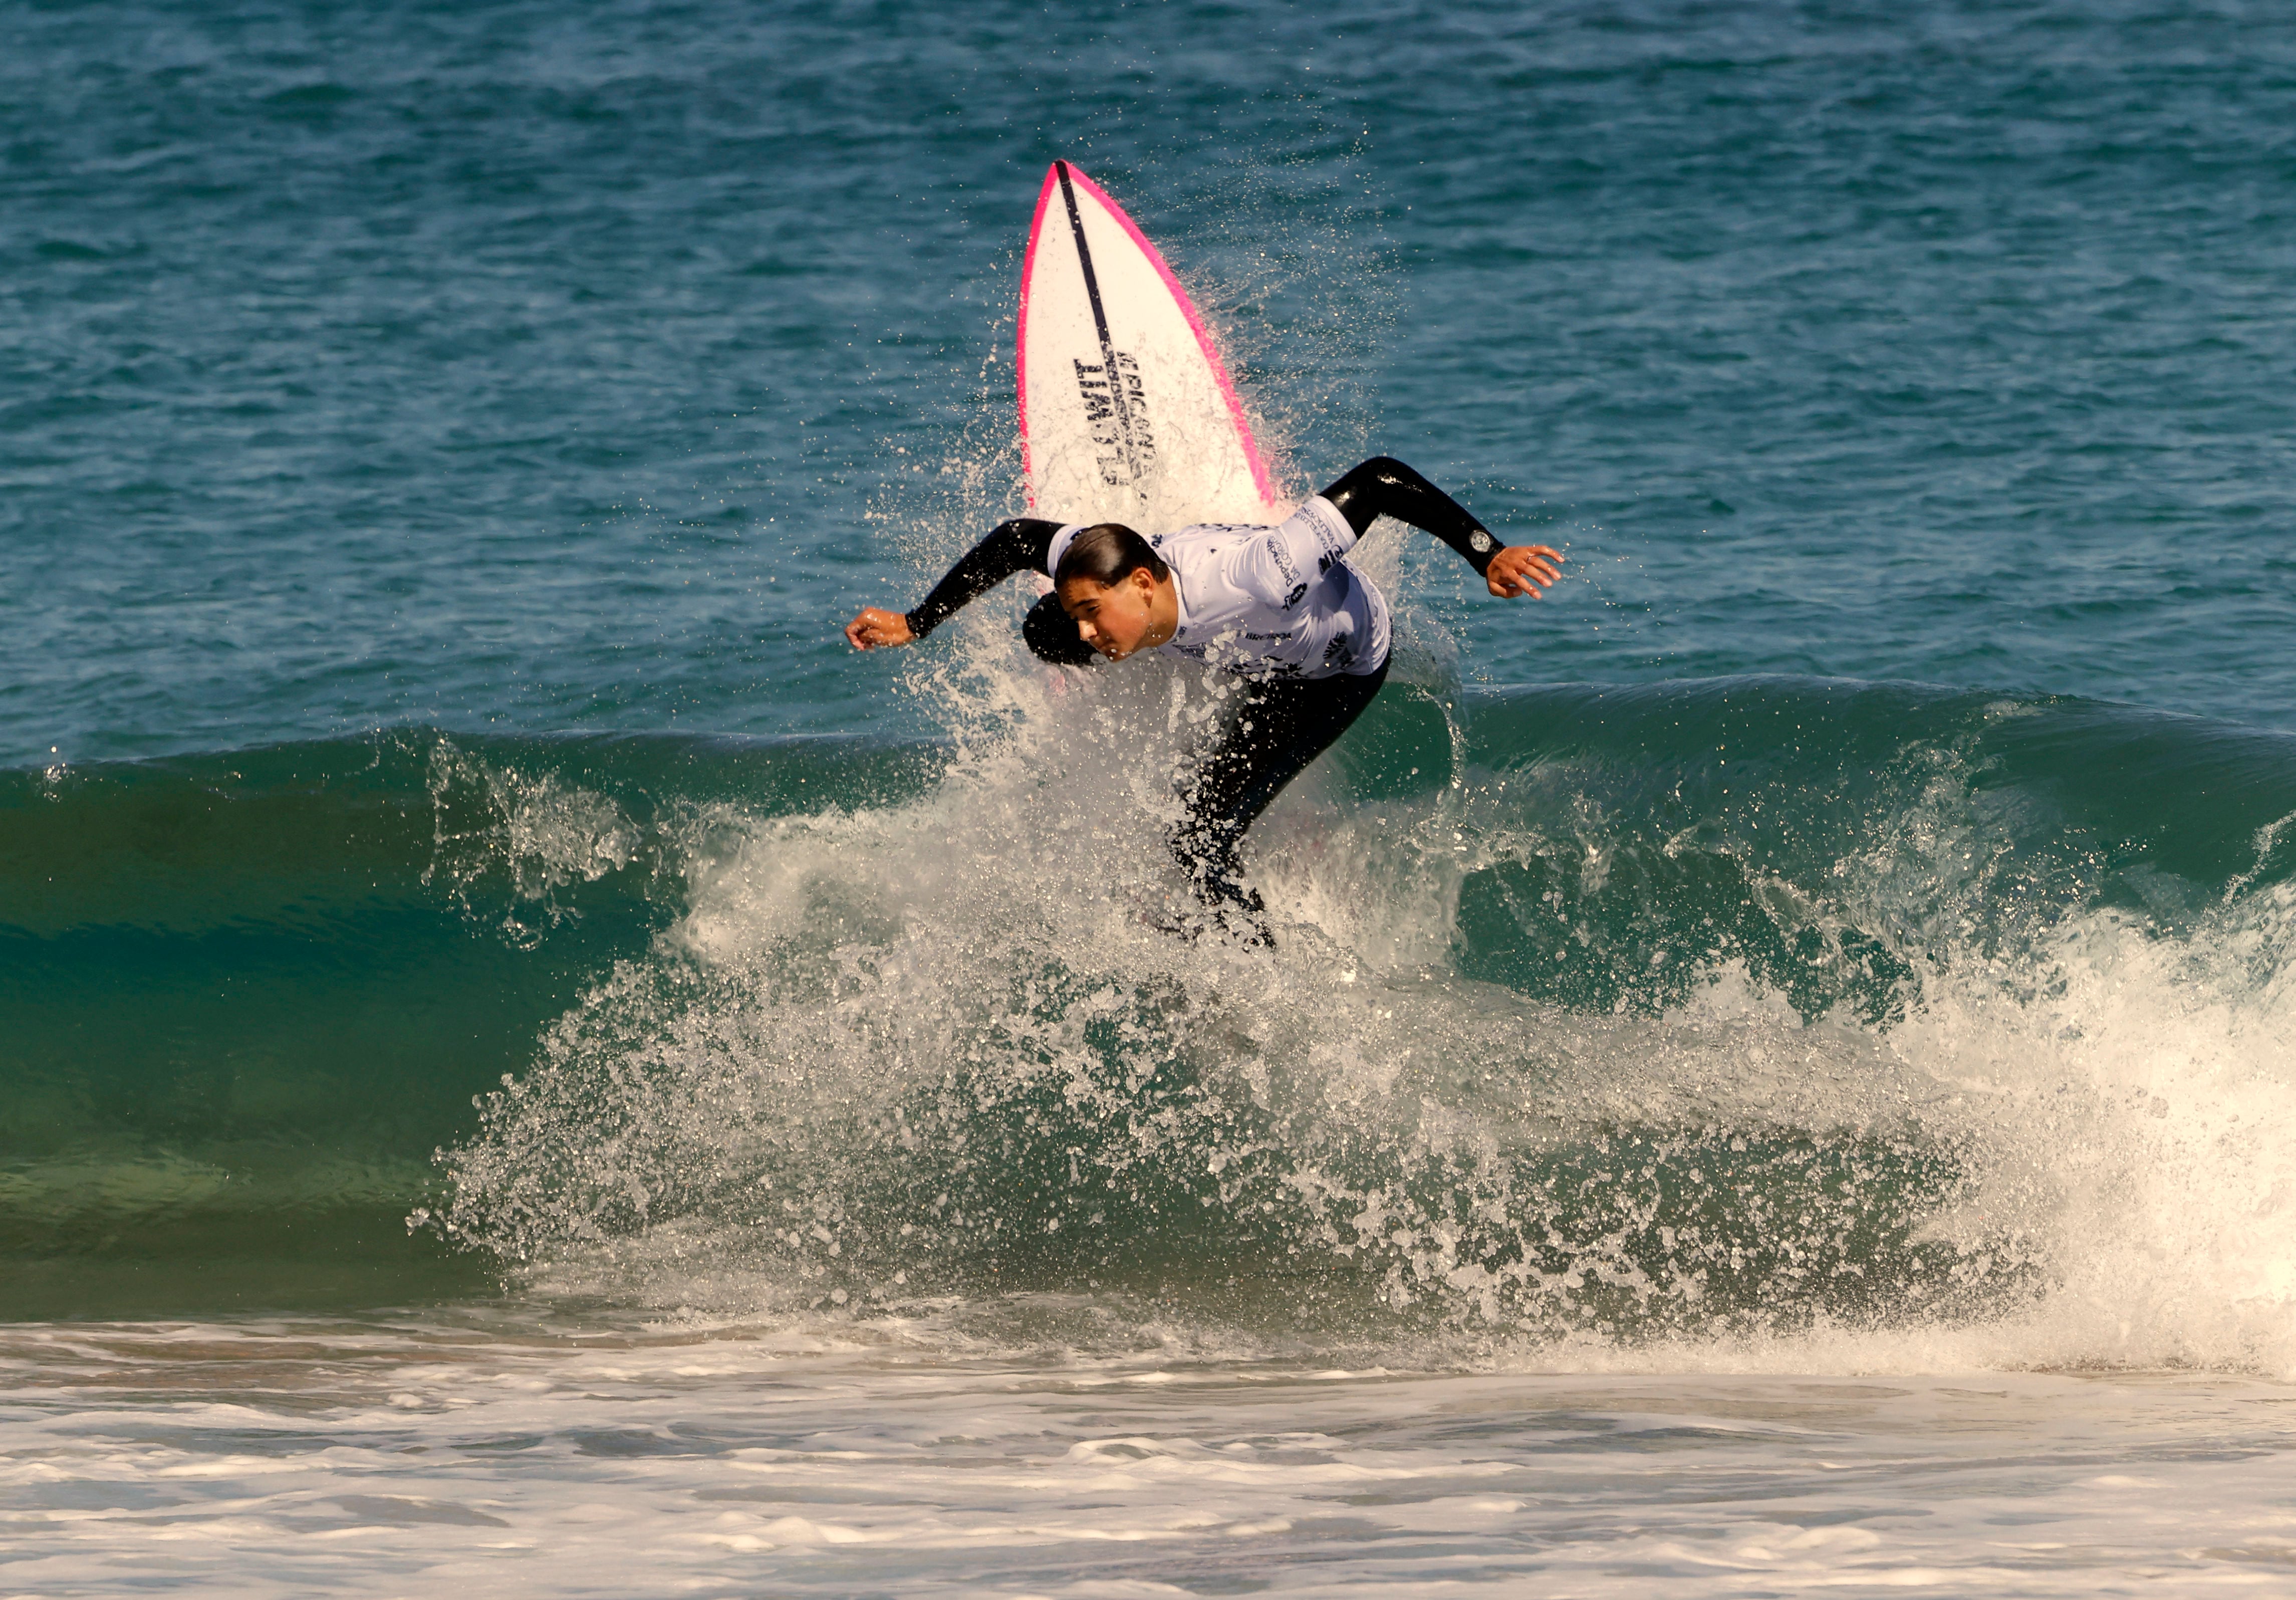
[(1107, 555)]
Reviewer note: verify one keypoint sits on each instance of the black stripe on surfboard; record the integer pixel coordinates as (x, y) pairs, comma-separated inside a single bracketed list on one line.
[(1116, 393)]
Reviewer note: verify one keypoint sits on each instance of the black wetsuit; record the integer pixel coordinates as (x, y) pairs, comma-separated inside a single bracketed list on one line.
[(1286, 719)]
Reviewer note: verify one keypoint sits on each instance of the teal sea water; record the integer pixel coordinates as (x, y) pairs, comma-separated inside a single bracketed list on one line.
[(463, 909)]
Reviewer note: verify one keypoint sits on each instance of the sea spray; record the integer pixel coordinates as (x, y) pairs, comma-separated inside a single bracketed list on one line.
[(1750, 1052)]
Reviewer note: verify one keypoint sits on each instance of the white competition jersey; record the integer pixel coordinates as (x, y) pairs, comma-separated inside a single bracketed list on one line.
[(1269, 601)]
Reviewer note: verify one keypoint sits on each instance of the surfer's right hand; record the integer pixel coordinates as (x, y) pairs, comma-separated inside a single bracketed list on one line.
[(875, 628)]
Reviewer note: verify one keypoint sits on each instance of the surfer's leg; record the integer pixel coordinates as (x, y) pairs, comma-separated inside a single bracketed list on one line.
[(1283, 726), (1052, 634)]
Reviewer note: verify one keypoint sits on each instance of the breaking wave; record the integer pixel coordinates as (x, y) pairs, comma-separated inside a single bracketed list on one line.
[(1687, 1016)]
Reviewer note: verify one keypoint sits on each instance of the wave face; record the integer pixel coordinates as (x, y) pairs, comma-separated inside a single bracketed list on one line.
[(244, 996), (1724, 1010)]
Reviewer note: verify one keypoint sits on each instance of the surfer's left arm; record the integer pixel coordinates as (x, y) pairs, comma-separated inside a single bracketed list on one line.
[(1385, 487), (1017, 545)]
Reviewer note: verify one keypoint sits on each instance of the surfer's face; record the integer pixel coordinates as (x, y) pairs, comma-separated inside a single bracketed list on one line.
[(1117, 619)]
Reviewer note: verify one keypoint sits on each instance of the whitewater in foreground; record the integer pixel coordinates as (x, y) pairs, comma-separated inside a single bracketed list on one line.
[(418, 1455)]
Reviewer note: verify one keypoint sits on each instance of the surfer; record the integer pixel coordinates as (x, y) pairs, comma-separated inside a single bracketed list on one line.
[(1306, 633)]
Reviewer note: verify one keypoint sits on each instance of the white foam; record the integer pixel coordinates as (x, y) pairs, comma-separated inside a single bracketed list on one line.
[(256, 1461)]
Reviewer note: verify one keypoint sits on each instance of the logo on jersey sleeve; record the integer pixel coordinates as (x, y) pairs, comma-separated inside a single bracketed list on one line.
[(1275, 547), (1333, 544)]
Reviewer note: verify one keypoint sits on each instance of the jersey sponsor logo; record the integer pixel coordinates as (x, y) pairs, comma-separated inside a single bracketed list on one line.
[(1327, 538), (1291, 572)]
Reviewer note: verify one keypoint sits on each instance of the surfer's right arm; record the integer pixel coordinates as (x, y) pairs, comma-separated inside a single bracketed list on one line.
[(1022, 545)]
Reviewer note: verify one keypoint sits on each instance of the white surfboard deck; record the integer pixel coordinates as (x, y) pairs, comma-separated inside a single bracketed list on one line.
[(1127, 413)]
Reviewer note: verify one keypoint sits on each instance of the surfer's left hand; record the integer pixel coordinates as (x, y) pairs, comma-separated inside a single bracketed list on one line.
[(1521, 568), (876, 627)]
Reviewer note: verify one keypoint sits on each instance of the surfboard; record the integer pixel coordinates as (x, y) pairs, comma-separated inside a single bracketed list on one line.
[(1127, 413)]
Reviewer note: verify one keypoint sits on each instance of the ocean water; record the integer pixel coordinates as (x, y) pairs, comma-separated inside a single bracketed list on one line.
[(526, 1065)]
